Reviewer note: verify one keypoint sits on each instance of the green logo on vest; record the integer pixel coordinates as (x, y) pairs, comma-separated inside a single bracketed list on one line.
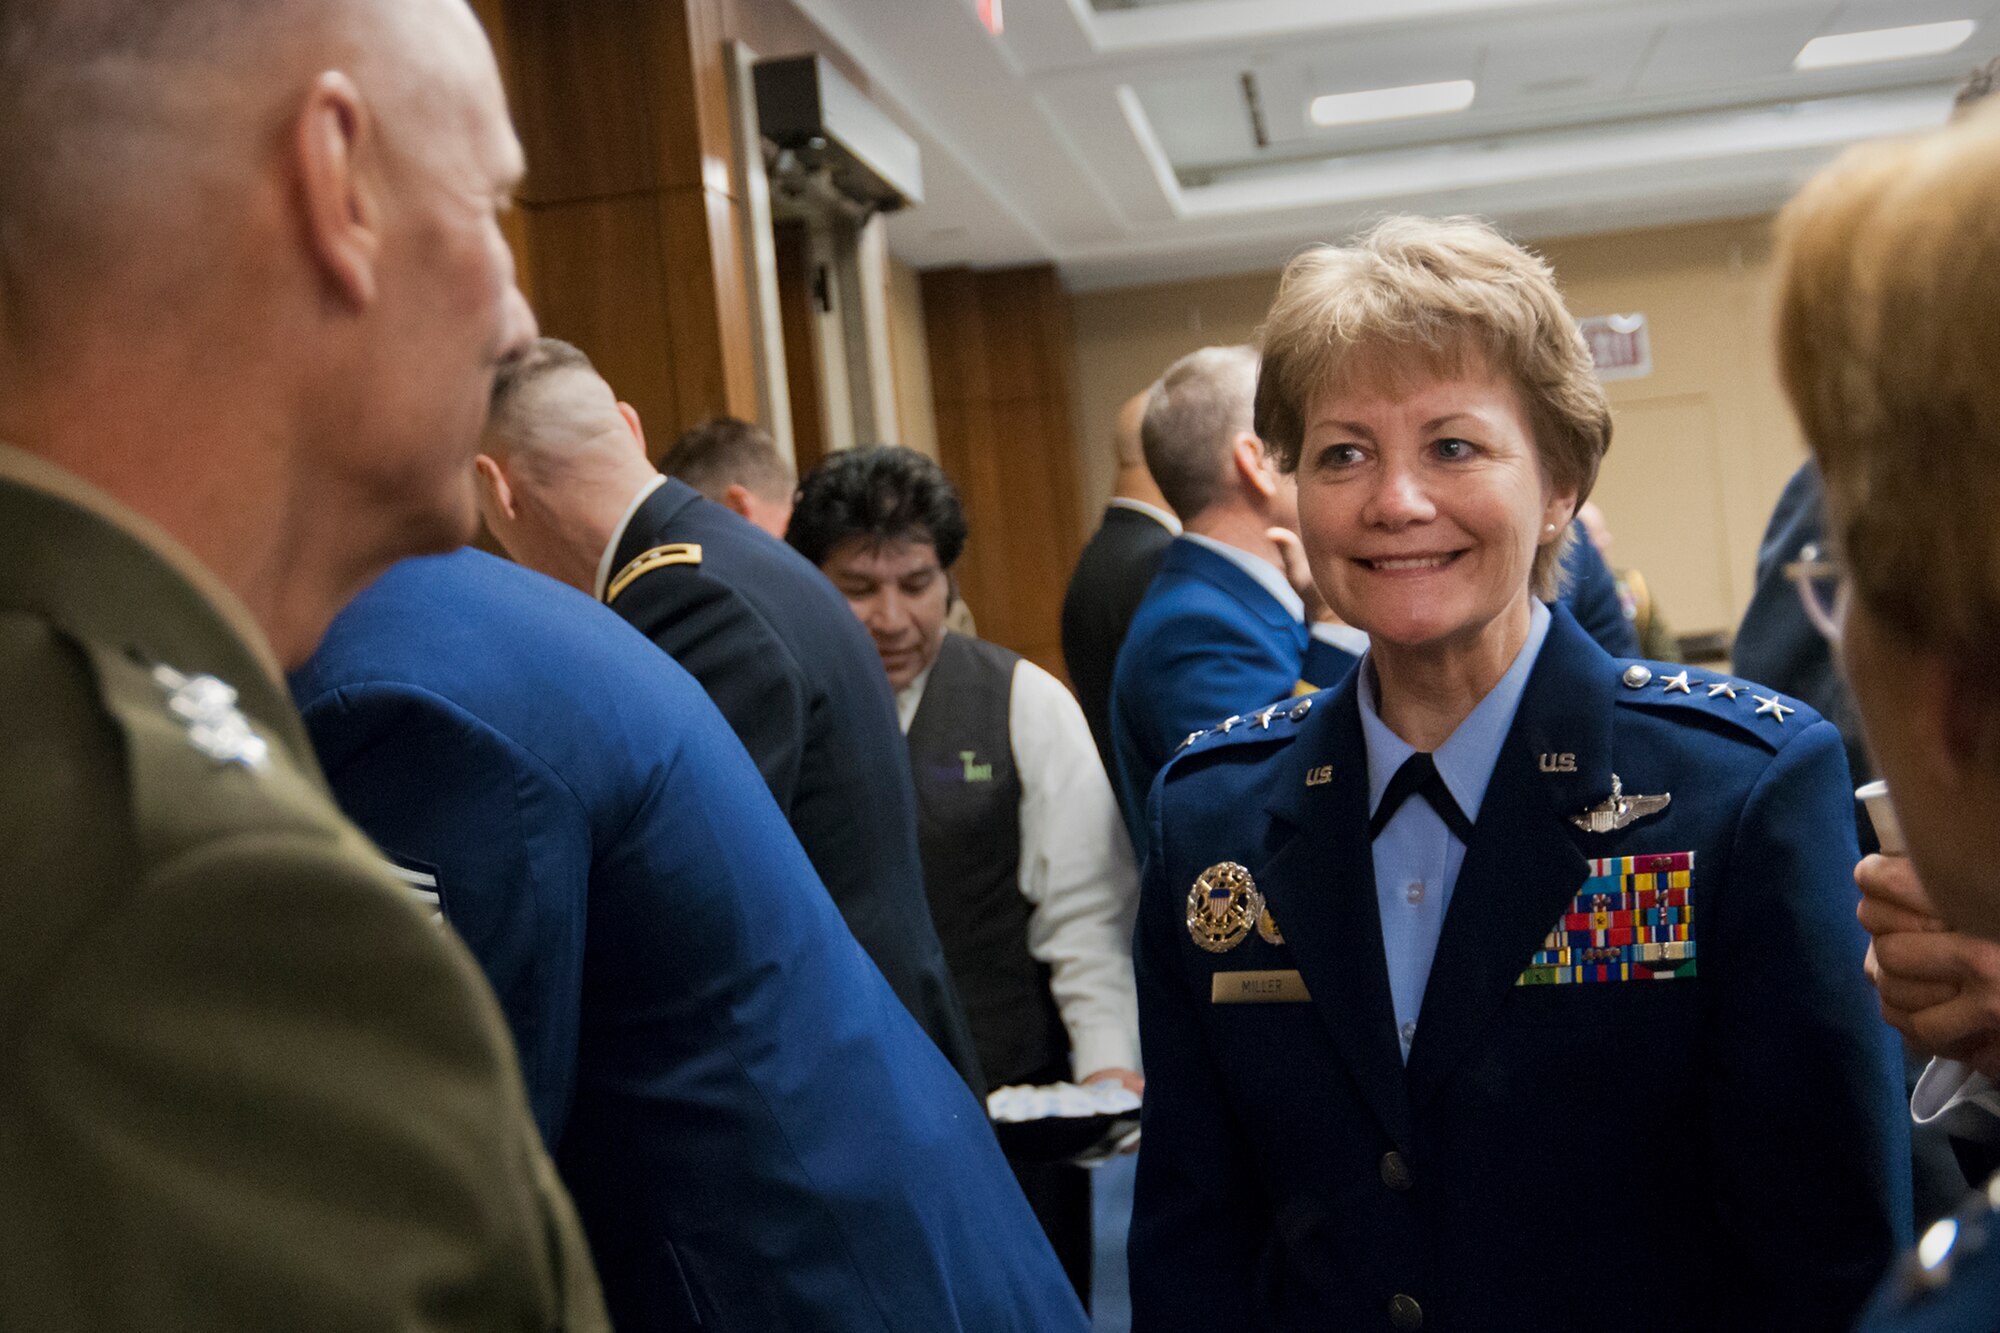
[(975, 772)]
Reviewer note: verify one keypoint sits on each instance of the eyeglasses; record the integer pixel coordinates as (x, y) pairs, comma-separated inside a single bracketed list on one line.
[(1823, 589)]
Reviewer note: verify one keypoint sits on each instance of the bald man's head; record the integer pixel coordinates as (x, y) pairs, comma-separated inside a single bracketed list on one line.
[(561, 461), (552, 412), (136, 136), (251, 263)]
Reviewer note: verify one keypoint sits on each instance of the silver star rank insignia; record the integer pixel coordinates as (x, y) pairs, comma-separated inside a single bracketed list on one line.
[(1617, 810), (1677, 681), (1773, 706), (1722, 688)]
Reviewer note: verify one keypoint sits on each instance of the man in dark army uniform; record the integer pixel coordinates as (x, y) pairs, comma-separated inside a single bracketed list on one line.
[(567, 490), (252, 297)]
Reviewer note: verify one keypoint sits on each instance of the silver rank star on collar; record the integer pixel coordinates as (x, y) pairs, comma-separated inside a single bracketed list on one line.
[(1677, 681), (1617, 810), (1722, 688), (216, 727)]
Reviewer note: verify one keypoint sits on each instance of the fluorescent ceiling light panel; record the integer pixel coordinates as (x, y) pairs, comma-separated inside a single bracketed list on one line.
[(1416, 99), (1861, 48)]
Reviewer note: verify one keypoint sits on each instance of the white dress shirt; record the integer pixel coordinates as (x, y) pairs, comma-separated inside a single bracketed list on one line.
[(1958, 1097), (1417, 858), (604, 570), (1154, 512), (1077, 870)]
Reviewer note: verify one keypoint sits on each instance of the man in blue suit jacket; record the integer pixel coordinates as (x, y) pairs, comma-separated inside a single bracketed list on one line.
[(568, 490), (1223, 627), (757, 1135), (1740, 1130)]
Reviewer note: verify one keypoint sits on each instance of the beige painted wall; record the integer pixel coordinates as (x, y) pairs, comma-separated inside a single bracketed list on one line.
[(910, 361), (1701, 446)]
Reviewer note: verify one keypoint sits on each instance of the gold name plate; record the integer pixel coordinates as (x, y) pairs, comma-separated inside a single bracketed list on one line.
[(1257, 988)]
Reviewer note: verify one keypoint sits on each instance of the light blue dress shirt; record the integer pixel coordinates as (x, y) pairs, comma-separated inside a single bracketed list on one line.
[(1416, 856)]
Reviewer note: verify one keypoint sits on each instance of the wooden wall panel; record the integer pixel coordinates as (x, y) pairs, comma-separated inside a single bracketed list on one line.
[(580, 99), (615, 311), (629, 233), (708, 307), (795, 317), (1001, 346)]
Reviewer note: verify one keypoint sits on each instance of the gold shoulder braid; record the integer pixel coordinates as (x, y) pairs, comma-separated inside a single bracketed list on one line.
[(673, 553)]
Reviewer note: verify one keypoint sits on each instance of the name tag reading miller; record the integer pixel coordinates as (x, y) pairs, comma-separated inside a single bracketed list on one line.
[(1257, 988)]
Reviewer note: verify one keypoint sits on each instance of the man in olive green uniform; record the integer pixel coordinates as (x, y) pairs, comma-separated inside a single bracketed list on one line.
[(252, 296)]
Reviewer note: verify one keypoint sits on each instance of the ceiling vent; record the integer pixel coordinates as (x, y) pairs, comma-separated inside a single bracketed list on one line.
[(830, 140)]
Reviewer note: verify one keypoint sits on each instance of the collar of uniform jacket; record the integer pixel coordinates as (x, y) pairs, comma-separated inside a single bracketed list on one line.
[(26, 469)]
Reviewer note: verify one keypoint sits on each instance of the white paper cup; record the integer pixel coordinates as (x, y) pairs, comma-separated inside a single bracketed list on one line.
[(1882, 814)]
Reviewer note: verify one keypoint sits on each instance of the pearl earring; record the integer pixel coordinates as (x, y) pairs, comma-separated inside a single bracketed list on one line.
[(1548, 527)]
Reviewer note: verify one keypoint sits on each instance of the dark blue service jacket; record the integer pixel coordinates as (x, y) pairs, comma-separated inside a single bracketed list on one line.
[(756, 1133), (795, 675), (1718, 1149)]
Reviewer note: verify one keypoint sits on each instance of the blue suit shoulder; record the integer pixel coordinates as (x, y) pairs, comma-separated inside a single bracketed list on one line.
[(1273, 724), (1725, 705), (1216, 766)]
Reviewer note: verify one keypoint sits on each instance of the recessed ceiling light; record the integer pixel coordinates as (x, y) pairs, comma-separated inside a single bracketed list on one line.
[(1416, 99), (1861, 48)]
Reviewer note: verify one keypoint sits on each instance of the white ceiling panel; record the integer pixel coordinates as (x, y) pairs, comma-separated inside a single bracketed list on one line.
[(1861, 15), (1717, 51), (1200, 118), (1118, 144), (1586, 63)]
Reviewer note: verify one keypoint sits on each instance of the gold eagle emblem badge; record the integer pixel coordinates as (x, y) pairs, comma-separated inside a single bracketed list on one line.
[(1223, 907)]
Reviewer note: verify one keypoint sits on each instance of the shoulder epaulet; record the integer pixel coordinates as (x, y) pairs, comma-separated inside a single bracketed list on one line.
[(1767, 715), (673, 553), (198, 768), (1275, 722)]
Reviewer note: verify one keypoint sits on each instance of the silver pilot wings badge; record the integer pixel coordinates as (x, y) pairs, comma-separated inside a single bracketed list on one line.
[(1617, 810)]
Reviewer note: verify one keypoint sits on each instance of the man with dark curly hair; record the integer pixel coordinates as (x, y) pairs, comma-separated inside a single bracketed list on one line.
[(1026, 863)]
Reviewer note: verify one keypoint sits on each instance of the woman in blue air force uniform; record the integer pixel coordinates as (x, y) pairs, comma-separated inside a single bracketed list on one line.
[(1508, 985)]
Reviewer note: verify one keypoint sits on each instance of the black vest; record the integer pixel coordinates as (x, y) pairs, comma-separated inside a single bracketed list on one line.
[(969, 831)]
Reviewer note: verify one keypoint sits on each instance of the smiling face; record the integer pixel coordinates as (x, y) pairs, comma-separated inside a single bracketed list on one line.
[(1421, 506), (900, 593)]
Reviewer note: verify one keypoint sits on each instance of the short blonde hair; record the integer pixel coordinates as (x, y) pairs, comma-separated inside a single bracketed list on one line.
[(1414, 296), (1889, 280)]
